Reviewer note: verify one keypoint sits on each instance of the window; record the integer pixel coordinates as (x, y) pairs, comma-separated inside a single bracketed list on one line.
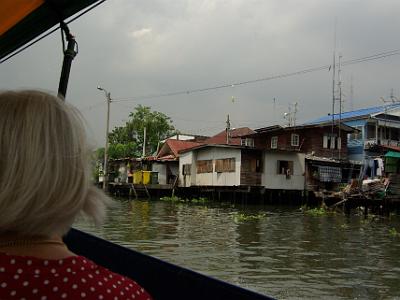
[(357, 135), (250, 165), (295, 139), (285, 167), (204, 166), (331, 142), (248, 142), (225, 165), (186, 169), (274, 142)]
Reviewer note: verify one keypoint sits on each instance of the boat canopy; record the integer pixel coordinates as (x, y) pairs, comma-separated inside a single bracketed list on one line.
[(21, 21), (392, 154)]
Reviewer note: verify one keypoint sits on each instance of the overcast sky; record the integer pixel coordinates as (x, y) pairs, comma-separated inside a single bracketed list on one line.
[(149, 47)]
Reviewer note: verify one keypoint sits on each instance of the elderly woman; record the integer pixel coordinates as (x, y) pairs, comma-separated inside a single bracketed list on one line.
[(44, 185)]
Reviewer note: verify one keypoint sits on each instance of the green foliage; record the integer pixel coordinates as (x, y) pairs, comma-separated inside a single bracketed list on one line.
[(119, 135), (172, 199), (127, 140), (96, 161), (240, 217), (200, 200), (123, 150), (316, 211), (99, 154), (393, 232), (344, 226), (158, 127)]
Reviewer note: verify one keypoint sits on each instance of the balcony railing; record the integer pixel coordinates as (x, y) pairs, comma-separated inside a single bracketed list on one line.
[(368, 143)]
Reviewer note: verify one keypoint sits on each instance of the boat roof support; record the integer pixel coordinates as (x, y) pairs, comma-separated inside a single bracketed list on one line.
[(69, 54)]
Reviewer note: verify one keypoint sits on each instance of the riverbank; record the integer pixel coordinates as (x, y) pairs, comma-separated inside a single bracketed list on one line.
[(257, 195)]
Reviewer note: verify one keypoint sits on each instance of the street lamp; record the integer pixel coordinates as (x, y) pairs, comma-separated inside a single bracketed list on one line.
[(105, 171)]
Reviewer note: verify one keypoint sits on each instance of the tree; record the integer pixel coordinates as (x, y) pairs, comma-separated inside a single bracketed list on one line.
[(158, 126), (119, 135), (127, 141)]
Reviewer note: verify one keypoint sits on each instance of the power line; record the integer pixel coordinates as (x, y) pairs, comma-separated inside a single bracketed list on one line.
[(272, 77)]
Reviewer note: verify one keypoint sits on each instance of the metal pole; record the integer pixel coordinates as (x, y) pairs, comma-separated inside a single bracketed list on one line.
[(333, 86), (340, 105), (69, 55), (144, 142), (105, 181), (105, 169)]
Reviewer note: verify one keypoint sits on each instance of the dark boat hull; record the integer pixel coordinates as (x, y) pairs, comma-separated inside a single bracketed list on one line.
[(161, 279)]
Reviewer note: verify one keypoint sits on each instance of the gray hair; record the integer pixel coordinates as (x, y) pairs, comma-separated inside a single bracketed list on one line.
[(44, 166)]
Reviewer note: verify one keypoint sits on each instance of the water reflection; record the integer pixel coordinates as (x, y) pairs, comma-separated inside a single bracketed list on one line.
[(286, 254)]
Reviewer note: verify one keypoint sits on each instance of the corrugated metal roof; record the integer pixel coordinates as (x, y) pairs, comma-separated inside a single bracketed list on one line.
[(364, 112), (300, 127), (393, 154), (174, 146), (235, 136)]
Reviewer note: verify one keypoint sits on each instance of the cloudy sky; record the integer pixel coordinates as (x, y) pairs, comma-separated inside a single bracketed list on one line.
[(138, 48)]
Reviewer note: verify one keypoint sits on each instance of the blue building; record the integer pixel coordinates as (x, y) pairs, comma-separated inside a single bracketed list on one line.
[(378, 125)]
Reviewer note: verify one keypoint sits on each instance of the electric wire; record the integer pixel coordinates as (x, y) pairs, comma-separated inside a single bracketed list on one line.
[(272, 77)]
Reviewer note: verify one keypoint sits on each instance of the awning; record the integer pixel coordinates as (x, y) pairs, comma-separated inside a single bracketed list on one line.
[(392, 154), (23, 20)]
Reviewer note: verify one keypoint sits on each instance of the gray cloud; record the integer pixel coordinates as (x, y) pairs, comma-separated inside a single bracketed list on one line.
[(135, 48)]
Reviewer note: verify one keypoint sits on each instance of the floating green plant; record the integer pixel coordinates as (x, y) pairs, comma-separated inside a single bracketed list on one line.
[(200, 200), (172, 199), (317, 211), (393, 232), (239, 217)]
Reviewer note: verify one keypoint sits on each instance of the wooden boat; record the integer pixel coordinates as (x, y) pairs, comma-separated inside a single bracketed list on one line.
[(161, 279), (23, 23)]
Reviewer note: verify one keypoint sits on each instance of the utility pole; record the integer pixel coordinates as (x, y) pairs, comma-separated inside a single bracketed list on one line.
[(144, 142), (105, 169), (228, 129)]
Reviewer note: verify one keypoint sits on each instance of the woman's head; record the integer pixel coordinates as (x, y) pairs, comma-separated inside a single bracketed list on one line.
[(44, 169)]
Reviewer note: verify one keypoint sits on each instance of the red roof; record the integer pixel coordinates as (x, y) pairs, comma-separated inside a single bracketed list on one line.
[(235, 136), (172, 147), (394, 148)]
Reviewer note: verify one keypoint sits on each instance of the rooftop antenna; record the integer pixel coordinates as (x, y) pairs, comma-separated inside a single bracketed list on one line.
[(392, 97), (333, 78), (290, 116), (294, 113), (340, 101), (351, 93)]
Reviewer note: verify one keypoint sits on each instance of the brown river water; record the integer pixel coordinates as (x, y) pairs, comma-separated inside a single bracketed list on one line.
[(278, 251)]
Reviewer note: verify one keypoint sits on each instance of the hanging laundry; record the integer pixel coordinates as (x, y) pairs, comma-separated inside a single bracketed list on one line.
[(381, 168)]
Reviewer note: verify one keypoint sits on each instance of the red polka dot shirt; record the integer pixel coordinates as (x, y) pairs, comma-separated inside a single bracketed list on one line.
[(75, 277)]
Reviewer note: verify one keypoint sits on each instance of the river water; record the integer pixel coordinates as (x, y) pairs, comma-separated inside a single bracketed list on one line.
[(278, 251)]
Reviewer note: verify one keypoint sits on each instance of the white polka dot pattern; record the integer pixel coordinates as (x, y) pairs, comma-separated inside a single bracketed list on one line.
[(70, 278)]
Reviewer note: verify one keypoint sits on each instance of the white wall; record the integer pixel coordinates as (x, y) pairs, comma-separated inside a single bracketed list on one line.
[(187, 158), (162, 172), (271, 180), (219, 179)]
